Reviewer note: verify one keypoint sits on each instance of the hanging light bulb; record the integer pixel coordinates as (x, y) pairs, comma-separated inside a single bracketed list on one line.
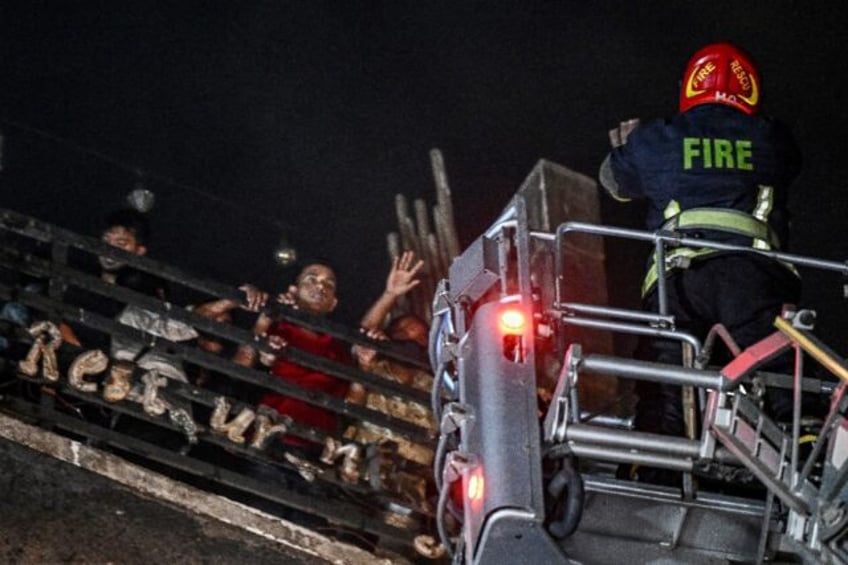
[(285, 254), (140, 198)]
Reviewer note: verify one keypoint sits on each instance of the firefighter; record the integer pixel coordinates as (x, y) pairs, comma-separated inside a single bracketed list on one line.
[(718, 170)]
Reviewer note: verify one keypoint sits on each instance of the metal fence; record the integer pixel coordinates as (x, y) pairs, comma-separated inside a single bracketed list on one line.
[(214, 436)]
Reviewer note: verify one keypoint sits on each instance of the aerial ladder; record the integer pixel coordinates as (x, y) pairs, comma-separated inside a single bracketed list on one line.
[(522, 313)]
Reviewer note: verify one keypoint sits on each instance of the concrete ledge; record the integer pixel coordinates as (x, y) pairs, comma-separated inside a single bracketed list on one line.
[(286, 537)]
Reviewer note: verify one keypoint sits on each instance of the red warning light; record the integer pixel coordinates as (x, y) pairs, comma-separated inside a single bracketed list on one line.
[(513, 321), (475, 487)]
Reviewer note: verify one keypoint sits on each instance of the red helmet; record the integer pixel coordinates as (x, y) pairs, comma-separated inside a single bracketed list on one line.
[(721, 73)]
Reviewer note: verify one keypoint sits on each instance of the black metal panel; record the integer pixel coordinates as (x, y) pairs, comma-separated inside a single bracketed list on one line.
[(474, 272), (513, 537)]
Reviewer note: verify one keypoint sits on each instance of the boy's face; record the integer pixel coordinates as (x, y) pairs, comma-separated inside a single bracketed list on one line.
[(121, 237), (316, 289)]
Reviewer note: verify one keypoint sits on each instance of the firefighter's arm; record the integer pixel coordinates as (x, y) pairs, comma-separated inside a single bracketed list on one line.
[(607, 178), (618, 135), (618, 139)]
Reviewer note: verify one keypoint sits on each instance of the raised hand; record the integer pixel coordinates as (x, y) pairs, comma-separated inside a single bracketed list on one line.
[(402, 276)]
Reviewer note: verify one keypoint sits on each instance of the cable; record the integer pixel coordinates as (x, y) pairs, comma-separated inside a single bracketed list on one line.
[(145, 173), (435, 338), (436, 393), (438, 460), (440, 521)]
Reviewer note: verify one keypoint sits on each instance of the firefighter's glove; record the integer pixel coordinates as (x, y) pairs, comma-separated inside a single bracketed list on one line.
[(618, 136)]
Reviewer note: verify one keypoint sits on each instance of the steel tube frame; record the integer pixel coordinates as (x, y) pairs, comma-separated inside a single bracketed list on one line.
[(607, 311), (635, 329), (660, 239), (623, 455), (678, 240), (668, 445), (655, 372)]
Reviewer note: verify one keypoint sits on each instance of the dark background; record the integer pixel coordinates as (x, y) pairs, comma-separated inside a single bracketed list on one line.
[(246, 115)]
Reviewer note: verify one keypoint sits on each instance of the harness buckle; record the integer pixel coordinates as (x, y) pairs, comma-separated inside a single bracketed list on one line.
[(677, 262)]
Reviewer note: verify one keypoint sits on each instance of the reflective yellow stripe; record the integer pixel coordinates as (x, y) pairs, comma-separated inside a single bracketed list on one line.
[(727, 220), (672, 209), (721, 219)]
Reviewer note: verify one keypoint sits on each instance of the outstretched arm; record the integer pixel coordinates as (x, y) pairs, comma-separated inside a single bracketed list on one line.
[(618, 138), (401, 279), (219, 310), (254, 300)]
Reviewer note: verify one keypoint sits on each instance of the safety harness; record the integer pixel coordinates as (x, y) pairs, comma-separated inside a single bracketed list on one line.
[(753, 226)]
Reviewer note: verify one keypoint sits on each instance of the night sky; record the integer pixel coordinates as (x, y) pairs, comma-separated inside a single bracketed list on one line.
[(249, 115)]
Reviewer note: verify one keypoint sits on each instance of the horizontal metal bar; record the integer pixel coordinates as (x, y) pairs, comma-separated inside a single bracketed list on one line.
[(705, 500), (619, 455), (42, 231), (641, 441), (606, 420), (622, 313), (635, 329), (677, 239), (255, 377), (79, 315), (654, 372)]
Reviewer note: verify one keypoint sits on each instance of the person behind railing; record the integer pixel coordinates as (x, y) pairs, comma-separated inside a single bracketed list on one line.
[(718, 170), (253, 300), (15, 319), (153, 323), (129, 230), (315, 293), (408, 333)]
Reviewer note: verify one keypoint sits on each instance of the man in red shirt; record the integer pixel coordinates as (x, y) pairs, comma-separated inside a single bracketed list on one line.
[(314, 292)]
